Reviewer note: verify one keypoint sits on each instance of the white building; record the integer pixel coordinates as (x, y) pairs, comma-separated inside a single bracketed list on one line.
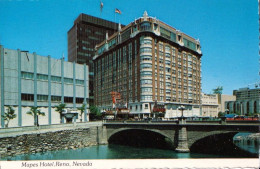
[(28, 79), (209, 105)]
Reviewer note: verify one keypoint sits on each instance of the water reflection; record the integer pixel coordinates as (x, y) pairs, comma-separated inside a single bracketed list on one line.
[(252, 145)]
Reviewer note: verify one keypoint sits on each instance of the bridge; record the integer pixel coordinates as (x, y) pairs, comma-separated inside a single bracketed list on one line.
[(182, 133)]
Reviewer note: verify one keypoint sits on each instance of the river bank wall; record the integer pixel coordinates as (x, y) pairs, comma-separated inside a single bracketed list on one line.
[(49, 138)]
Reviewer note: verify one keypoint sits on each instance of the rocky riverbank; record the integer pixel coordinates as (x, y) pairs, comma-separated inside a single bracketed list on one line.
[(49, 141)]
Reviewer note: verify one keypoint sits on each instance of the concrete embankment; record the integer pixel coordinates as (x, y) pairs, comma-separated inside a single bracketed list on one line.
[(23, 140)]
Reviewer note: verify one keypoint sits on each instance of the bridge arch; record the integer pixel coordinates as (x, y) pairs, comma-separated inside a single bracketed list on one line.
[(197, 136), (149, 136), (217, 143)]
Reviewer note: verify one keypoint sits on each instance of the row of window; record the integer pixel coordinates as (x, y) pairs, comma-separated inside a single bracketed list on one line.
[(146, 41), (144, 26), (30, 97), (28, 75), (141, 107)]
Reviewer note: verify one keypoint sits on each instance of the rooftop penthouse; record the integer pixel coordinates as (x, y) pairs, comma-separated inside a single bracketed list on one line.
[(152, 25)]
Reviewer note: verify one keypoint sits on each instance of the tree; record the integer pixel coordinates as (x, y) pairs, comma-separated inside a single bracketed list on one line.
[(218, 90), (35, 112), (94, 113), (9, 115), (221, 114), (249, 114), (82, 109), (59, 108)]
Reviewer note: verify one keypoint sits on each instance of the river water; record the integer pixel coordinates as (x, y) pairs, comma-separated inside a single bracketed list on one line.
[(113, 151), (109, 152)]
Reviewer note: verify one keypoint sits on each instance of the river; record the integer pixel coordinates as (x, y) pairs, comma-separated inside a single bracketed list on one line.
[(108, 152)]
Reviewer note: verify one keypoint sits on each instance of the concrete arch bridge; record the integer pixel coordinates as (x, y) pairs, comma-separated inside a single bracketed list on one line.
[(183, 135)]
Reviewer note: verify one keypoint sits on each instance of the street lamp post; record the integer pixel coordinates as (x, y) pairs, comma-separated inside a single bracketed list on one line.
[(181, 119), (181, 108)]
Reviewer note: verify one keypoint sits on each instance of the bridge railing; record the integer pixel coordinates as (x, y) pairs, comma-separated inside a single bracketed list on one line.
[(222, 121), (140, 121)]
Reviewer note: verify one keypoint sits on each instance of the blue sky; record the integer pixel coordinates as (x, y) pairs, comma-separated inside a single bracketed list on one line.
[(227, 30)]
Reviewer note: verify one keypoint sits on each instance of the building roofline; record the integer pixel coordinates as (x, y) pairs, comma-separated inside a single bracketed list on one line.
[(82, 15)]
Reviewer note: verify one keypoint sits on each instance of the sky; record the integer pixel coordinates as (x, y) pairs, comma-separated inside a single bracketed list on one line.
[(228, 30)]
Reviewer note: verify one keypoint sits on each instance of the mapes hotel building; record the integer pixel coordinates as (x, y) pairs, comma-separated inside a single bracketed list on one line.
[(149, 63)]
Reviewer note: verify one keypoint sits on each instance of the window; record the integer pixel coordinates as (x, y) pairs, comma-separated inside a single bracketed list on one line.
[(42, 97), (147, 50), (27, 97), (146, 73), (55, 79), (167, 62), (146, 106), (68, 80), (42, 77), (80, 82), (168, 70), (165, 33), (145, 26), (146, 81), (27, 75), (189, 44), (146, 57), (89, 49), (155, 26), (55, 98), (98, 33), (173, 36), (146, 89), (146, 41), (168, 91), (79, 100), (68, 99), (141, 107), (136, 107), (93, 38), (146, 97), (112, 43), (126, 34), (146, 66), (168, 77)]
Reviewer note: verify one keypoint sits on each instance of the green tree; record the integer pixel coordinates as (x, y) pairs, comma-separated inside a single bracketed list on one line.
[(94, 113), (59, 108), (9, 115), (237, 113), (221, 114), (82, 109), (249, 114), (218, 90), (35, 112)]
